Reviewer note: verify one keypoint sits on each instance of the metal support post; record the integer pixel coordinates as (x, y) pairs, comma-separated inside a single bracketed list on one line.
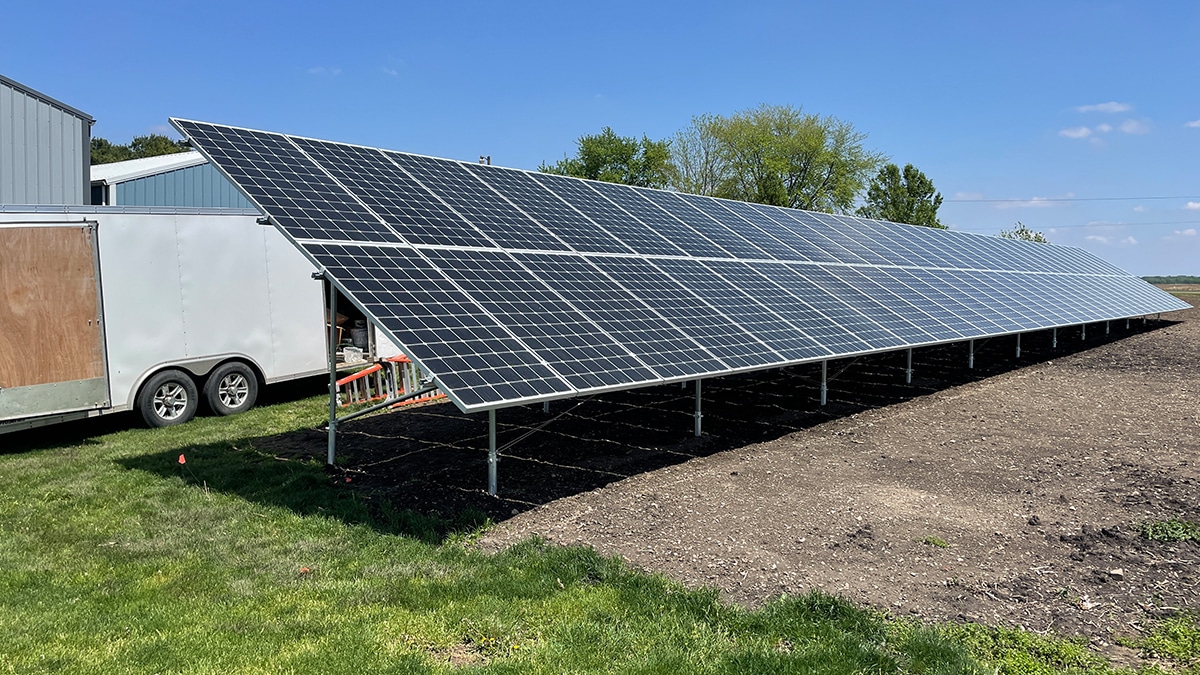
[(1126, 323), (1106, 327), (1143, 320), (698, 413), (824, 384), (492, 452), (683, 384), (331, 453), (970, 353), (546, 407), (1018, 345), (1083, 332), (908, 371), (1054, 338)]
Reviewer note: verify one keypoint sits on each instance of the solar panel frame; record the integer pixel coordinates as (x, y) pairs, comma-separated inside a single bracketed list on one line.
[(759, 260)]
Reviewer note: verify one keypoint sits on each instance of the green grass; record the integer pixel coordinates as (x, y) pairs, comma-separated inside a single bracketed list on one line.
[(1175, 640), (936, 542), (116, 558), (1171, 530)]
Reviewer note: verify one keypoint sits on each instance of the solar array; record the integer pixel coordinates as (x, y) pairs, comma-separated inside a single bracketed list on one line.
[(510, 287)]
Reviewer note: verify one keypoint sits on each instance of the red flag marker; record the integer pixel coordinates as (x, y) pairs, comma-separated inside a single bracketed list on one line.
[(182, 459)]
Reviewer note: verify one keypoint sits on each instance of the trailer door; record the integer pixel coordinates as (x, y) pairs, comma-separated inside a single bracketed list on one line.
[(51, 337)]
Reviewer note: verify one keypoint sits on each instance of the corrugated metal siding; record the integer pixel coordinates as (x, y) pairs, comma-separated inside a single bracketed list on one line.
[(43, 158), (194, 186)]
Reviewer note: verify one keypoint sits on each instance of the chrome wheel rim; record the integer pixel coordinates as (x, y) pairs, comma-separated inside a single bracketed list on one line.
[(170, 400), (233, 390)]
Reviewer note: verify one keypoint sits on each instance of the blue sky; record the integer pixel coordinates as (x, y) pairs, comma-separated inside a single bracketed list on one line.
[(1060, 108)]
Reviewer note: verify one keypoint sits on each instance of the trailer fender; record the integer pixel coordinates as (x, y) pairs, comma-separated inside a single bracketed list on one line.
[(198, 368)]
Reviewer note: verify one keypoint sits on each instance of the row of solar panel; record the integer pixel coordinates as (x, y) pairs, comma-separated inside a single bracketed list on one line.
[(323, 190), (497, 326)]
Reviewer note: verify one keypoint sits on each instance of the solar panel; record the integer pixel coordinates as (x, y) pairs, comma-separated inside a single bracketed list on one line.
[(510, 287)]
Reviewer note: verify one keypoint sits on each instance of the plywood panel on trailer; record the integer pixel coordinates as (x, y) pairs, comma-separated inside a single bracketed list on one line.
[(49, 308)]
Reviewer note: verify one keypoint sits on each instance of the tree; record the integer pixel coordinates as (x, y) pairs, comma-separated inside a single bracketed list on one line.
[(698, 156), (617, 159), (906, 197), (104, 152), (1023, 233), (774, 155), (151, 145)]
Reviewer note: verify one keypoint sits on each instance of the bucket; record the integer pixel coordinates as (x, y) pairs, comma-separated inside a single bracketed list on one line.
[(358, 337)]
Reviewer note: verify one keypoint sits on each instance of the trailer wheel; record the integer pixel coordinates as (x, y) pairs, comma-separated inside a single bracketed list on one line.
[(231, 389), (168, 398)]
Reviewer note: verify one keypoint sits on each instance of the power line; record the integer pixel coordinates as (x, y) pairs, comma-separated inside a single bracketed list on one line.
[(1040, 200), (1072, 227)]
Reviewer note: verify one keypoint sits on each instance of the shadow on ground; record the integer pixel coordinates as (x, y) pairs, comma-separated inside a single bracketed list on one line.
[(432, 460), (422, 471)]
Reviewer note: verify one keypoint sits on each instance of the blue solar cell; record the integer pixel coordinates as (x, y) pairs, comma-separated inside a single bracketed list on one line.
[(548, 209), (653, 340), (662, 223), (478, 204), (407, 207), (509, 286), (281, 180), (717, 333), (577, 349), (446, 332)]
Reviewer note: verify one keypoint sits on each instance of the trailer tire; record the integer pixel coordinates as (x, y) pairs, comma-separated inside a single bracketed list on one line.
[(231, 389), (168, 398)]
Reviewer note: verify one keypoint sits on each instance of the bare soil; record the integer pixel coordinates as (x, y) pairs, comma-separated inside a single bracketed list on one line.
[(1035, 473)]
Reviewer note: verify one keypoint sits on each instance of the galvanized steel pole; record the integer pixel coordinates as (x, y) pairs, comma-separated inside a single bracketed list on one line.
[(824, 386), (1054, 338), (332, 450), (908, 372), (1018, 345), (699, 415), (492, 452), (970, 353)]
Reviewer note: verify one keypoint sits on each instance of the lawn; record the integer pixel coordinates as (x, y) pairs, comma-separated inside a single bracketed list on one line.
[(115, 557)]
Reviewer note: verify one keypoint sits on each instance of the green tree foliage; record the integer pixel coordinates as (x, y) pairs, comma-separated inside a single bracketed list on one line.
[(104, 152), (1023, 233), (902, 197), (151, 145), (617, 159), (774, 155)]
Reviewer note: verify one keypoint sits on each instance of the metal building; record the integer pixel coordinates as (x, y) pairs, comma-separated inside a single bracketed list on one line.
[(183, 179), (45, 148)]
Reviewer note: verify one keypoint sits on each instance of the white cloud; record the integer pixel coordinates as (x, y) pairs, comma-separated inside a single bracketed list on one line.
[(1110, 107), (324, 70), (1036, 202), (1139, 209), (1076, 132), (1134, 127), (967, 196), (1181, 235), (1102, 239), (1103, 128), (1193, 124), (1192, 206), (390, 71)]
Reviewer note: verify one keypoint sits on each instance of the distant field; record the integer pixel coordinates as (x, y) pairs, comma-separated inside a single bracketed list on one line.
[(1178, 289)]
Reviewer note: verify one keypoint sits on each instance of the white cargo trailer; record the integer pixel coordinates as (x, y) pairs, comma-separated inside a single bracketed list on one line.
[(104, 309)]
